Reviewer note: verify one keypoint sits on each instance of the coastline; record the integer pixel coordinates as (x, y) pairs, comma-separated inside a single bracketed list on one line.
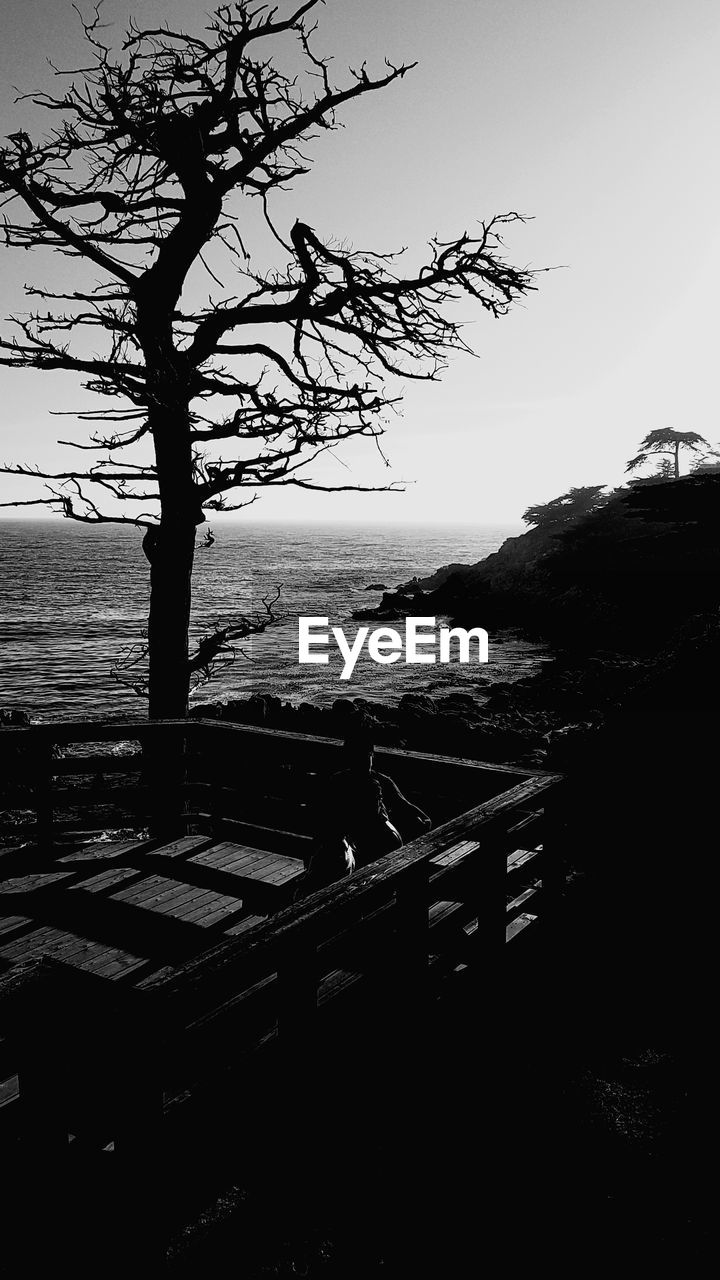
[(66, 625)]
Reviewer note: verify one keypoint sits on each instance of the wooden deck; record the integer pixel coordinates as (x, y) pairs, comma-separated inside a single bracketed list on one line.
[(131, 909), (154, 905), (177, 963)]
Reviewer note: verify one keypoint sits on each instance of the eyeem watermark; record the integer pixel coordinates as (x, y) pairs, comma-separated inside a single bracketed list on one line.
[(385, 645)]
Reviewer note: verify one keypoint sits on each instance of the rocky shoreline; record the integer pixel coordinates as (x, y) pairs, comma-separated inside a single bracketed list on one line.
[(527, 722), (545, 720)]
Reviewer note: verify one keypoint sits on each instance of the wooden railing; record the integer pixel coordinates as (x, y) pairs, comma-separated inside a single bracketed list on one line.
[(382, 937), (56, 782)]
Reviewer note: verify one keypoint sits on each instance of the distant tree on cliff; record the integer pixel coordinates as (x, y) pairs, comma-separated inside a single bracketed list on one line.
[(568, 508), (668, 442), (144, 180)]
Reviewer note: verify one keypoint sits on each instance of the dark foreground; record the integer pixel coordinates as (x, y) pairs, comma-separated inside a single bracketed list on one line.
[(589, 1149), (556, 1116), (582, 1145)]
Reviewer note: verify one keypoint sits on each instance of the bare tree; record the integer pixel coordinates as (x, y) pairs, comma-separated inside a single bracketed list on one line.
[(146, 174)]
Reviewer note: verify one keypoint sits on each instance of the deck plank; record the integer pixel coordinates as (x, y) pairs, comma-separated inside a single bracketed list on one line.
[(150, 889), (336, 983), (213, 915), (189, 903), (521, 857), (224, 851), (518, 925), (70, 947), (179, 848), (181, 900), (226, 855), (247, 922), (456, 853), (272, 873), (33, 880), (442, 911), (104, 880), (273, 870), (19, 948), (194, 910), (210, 900), (9, 923), (105, 851)]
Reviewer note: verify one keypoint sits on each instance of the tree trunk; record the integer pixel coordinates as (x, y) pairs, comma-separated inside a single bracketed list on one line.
[(170, 599), (171, 564), (171, 553), (677, 459)]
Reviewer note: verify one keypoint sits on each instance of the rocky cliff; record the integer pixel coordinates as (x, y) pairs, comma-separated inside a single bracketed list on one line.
[(624, 577)]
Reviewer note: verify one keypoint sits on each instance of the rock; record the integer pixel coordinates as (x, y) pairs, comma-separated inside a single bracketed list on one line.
[(343, 707), (462, 699), (208, 711), (263, 707), (391, 607), (434, 580), (460, 704), (417, 703), (13, 718), (377, 586)]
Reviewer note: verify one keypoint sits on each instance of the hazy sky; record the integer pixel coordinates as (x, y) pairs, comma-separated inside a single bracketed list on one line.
[(599, 118)]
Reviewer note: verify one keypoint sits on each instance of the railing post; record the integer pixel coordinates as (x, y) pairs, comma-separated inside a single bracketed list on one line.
[(218, 764)]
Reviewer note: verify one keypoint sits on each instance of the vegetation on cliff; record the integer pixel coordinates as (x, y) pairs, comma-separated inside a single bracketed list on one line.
[(623, 575)]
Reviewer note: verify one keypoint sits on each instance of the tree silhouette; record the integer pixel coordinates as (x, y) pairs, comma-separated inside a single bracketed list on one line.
[(568, 508), (669, 442), (154, 158)]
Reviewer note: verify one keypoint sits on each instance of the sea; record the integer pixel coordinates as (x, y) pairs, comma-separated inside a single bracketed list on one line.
[(74, 602)]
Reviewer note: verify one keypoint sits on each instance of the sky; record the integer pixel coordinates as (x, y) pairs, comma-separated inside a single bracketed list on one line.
[(597, 120)]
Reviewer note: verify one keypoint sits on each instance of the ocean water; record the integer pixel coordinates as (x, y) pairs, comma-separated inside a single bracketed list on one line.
[(74, 598)]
